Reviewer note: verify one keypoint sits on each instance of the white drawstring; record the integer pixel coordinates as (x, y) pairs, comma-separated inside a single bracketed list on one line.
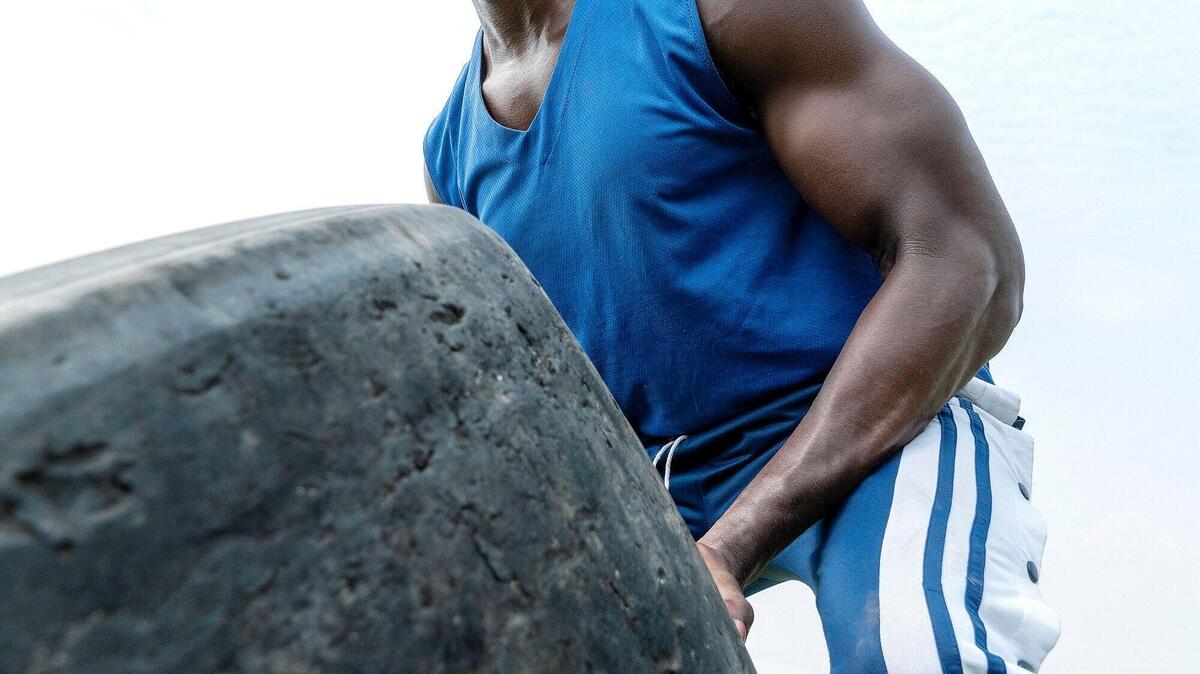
[(669, 450)]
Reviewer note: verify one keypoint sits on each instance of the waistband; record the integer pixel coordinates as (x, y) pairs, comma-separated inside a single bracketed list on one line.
[(763, 429), (999, 402)]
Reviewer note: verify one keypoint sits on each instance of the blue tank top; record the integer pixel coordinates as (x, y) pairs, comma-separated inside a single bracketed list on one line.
[(648, 204)]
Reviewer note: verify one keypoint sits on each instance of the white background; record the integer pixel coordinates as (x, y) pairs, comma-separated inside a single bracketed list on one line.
[(127, 119)]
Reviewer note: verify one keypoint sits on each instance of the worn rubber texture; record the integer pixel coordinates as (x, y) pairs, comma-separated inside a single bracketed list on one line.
[(356, 439)]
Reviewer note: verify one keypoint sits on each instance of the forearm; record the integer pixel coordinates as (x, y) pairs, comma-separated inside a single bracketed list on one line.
[(936, 320)]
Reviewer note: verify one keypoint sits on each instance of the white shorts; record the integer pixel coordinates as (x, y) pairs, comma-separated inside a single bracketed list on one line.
[(934, 563)]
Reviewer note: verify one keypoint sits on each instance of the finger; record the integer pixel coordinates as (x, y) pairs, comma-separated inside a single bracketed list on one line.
[(741, 612), (739, 607), (743, 631)]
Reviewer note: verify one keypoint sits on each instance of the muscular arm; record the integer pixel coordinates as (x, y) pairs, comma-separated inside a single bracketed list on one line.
[(879, 148)]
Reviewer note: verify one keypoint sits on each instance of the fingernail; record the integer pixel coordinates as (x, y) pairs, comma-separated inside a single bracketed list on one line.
[(741, 628)]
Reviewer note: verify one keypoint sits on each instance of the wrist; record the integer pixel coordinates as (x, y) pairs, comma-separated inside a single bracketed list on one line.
[(730, 553)]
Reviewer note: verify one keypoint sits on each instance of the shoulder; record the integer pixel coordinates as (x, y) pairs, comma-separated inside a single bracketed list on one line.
[(765, 43), (451, 111), (441, 142)]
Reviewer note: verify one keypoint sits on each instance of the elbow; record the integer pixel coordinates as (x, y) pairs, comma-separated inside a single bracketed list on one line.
[(1005, 309), (985, 272), (1008, 295), (1000, 289)]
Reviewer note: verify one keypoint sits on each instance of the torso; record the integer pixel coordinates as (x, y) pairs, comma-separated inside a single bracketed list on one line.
[(644, 198)]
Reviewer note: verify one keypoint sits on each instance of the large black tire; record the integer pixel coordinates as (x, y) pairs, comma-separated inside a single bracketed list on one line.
[(355, 439)]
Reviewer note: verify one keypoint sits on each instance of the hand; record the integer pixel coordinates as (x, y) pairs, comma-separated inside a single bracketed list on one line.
[(739, 609)]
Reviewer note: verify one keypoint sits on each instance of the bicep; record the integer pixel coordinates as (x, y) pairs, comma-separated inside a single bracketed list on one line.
[(883, 153), (866, 134)]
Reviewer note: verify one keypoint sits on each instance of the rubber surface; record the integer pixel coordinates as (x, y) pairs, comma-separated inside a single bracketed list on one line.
[(356, 439)]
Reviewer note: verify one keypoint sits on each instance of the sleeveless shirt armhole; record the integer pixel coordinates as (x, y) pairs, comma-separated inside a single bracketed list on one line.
[(439, 160), (440, 143), (715, 89)]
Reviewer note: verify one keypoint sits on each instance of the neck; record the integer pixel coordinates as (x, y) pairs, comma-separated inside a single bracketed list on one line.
[(515, 26)]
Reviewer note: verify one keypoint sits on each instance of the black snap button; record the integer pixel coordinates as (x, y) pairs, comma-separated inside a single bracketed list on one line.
[(1025, 666), (1024, 490), (1033, 571), (1019, 424)]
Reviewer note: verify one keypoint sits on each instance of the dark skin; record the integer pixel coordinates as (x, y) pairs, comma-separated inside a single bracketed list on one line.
[(880, 149)]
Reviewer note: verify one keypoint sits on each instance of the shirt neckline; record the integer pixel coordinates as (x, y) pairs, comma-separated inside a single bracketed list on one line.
[(560, 79)]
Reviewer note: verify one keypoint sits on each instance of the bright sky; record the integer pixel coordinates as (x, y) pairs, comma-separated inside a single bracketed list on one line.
[(128, 119)]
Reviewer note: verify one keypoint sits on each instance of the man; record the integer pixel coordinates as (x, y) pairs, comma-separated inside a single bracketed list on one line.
[(773, 234)]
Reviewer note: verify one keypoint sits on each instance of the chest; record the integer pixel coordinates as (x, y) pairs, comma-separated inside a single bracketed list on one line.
[(609, 127), (514, 89)]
